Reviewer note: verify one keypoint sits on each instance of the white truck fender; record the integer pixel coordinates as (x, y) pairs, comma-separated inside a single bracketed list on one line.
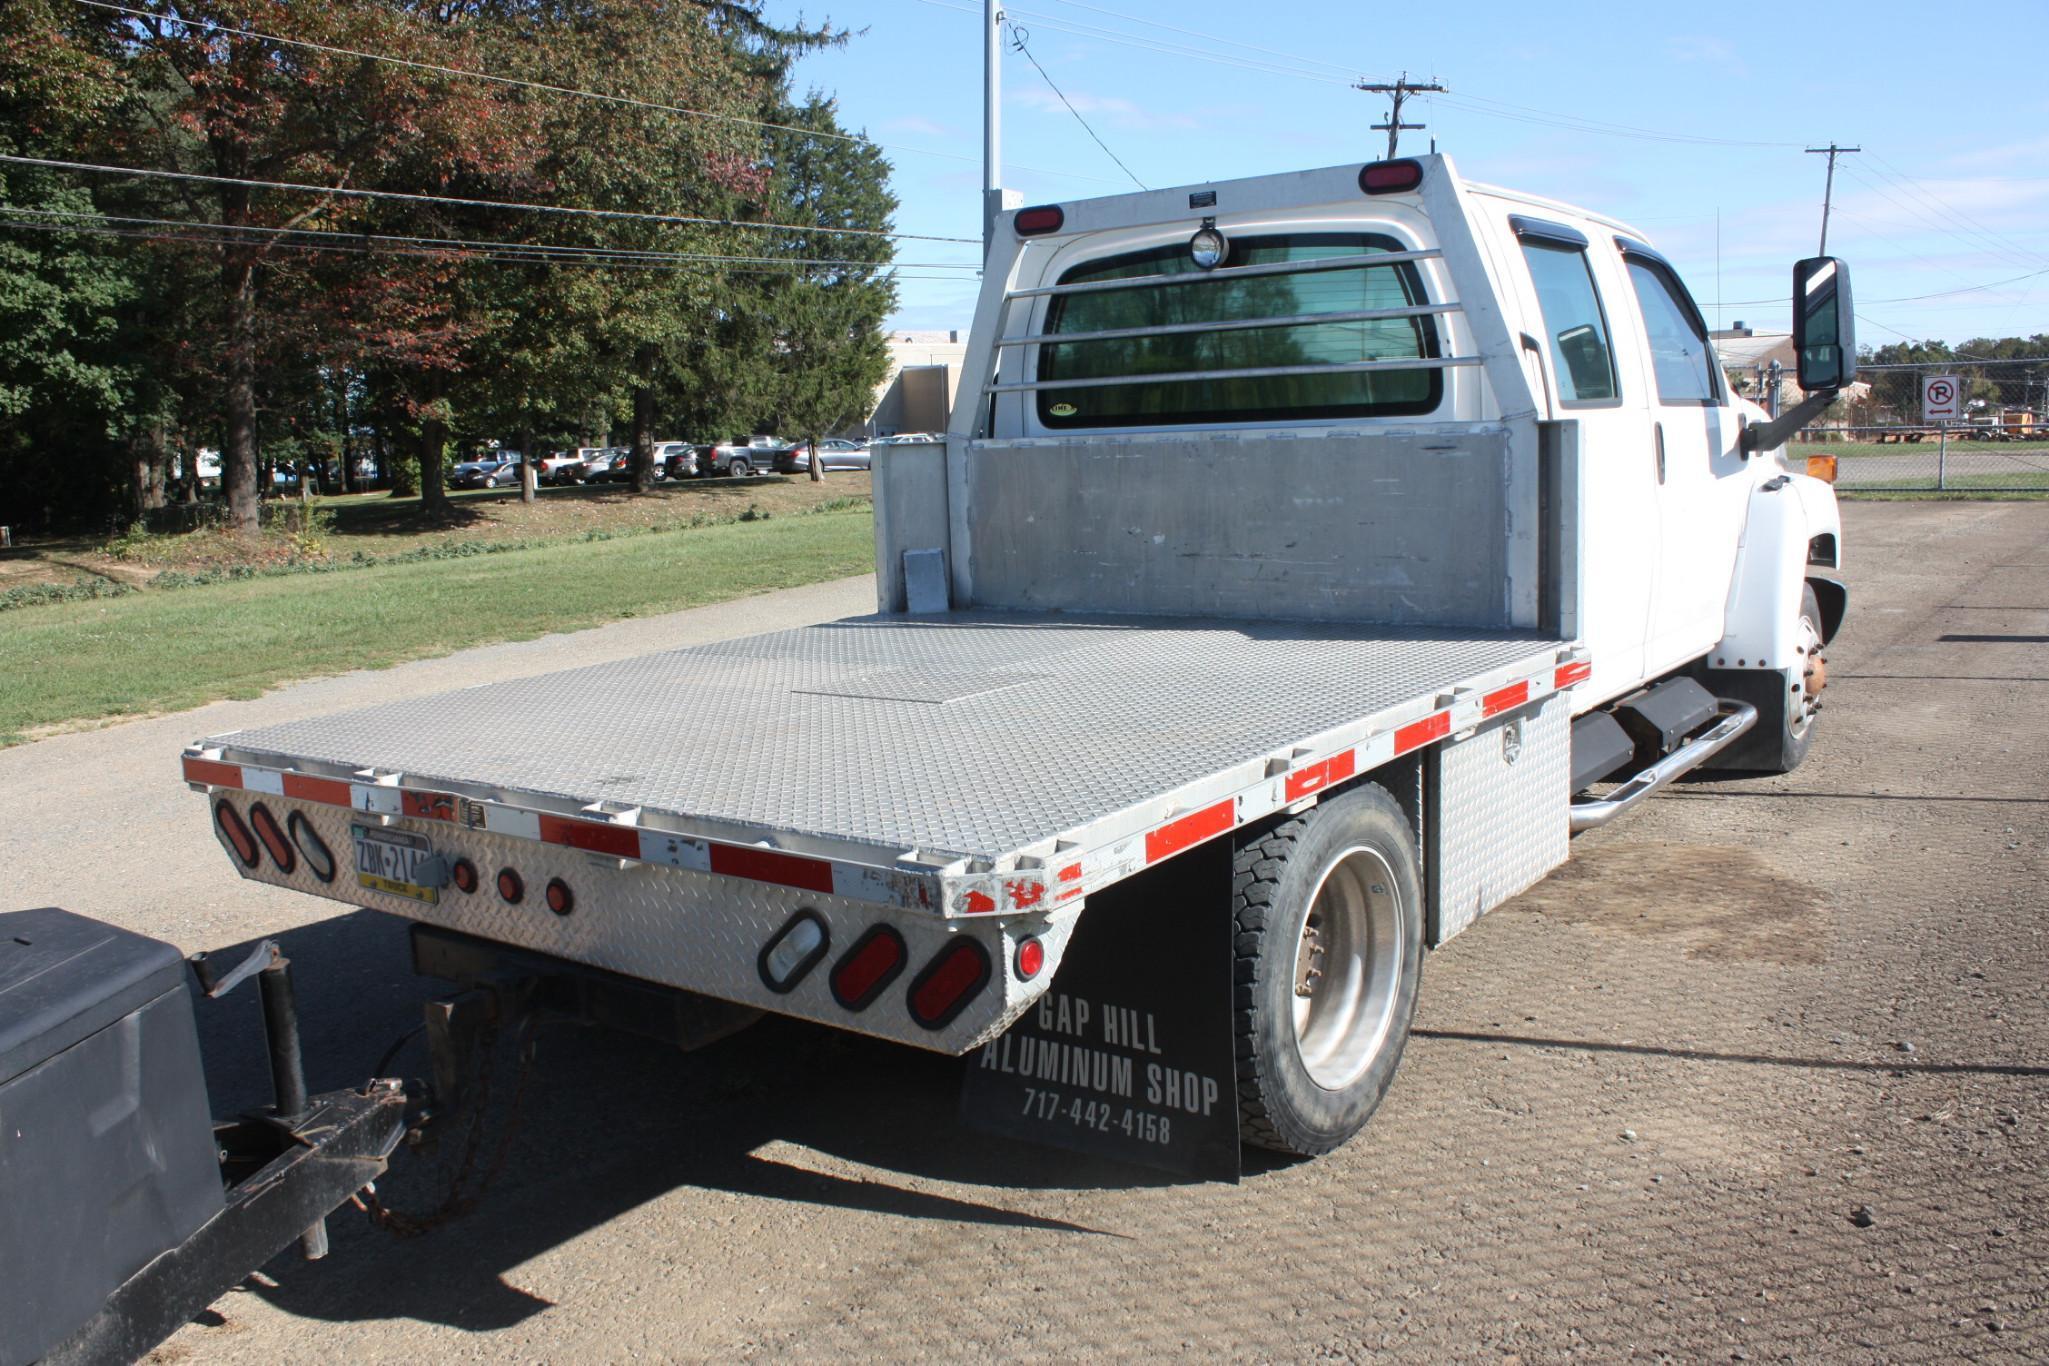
[(1785, 517)]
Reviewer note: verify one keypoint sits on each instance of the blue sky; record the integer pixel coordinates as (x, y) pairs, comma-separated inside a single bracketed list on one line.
[(1950, 103)]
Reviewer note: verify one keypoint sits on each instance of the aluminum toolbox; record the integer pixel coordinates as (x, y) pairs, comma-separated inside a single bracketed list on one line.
[(106, 1143)]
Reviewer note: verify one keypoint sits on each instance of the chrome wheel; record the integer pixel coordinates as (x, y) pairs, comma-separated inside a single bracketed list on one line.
[(1806, 698), (1348, 968)]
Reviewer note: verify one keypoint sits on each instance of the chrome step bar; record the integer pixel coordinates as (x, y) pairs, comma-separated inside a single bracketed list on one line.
[(1732, 720)]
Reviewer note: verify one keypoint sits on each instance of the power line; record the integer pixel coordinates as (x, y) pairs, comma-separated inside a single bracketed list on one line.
[(465, 244), (405, 196), (1059, 25), (1892, 172), (1501, 109), (746, 266), (1019, 38), (548, 87), (1297, 58)]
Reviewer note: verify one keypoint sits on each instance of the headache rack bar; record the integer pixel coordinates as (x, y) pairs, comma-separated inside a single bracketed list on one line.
[(1369, 258), (1357, 367), (1364, 315)]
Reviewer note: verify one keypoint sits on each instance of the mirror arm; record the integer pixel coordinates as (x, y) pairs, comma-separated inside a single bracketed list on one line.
[(1766, 435)]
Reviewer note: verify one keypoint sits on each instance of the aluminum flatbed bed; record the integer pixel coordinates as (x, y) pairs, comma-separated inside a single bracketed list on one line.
[(964, 740)]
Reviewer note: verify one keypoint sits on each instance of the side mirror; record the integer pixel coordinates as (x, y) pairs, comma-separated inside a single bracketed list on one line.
[(1824, 324)]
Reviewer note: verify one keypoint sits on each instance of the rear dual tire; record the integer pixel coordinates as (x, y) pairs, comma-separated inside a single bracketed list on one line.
[(1328, 956)]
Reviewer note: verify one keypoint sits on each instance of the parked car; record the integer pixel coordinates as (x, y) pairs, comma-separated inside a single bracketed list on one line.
[(620, 470), (566, 467), (840, 454), (598, 464), (908, 439), (737, 459), (495, 472), (675, 459)]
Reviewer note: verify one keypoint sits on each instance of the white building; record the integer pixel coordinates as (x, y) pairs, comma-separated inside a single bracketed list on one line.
[(924, 373)]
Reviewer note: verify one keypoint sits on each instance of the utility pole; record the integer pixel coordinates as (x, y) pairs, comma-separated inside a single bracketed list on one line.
[(1829, 191), (1397, 93), (992, 119)]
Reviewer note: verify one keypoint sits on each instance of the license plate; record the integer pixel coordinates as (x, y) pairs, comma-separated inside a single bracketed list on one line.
[(389, 861)]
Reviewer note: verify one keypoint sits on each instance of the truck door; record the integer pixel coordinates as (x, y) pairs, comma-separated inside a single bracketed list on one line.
[(1576, 353), (1702, 495)]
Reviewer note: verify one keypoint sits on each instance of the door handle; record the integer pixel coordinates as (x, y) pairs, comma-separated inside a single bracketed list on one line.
[(1658, 431)]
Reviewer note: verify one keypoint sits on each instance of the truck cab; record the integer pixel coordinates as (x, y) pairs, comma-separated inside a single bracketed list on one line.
[(1402, 302)]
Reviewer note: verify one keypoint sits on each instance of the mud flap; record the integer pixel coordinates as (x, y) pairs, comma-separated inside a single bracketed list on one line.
[(1130, 1055)]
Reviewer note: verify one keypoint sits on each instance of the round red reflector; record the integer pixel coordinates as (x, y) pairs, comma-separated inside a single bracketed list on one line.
[(510, 888), (560, 899), (1031, 956), (273, 837), (464, 876), (1042, 218), (1391, 177), (239, 839)]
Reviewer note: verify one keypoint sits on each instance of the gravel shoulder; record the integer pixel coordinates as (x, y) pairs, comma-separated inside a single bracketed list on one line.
[(1645, 1105)]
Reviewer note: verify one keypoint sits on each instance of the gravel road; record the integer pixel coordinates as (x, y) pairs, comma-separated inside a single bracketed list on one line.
[(1644, 1108)]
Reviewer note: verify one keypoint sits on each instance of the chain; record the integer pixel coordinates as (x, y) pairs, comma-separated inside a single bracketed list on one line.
[(459, 1200)]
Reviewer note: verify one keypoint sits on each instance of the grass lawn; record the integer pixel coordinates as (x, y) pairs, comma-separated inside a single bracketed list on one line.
[(159, 651)]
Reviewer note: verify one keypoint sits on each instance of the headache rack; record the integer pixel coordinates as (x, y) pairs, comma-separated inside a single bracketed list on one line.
[(992, 384)]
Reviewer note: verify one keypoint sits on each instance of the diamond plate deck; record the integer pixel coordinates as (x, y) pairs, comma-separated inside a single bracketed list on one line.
[(872, 730)]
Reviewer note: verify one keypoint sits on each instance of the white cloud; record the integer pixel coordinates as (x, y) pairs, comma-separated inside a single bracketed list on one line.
[(1113, 109), (926, 127)]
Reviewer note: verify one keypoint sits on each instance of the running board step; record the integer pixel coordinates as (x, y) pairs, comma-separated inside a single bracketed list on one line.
[(1732, 720)]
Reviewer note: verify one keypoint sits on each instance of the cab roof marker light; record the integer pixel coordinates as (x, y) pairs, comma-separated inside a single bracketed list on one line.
[(1390, 177), (1039, 220), (798, 947), (319, 858)]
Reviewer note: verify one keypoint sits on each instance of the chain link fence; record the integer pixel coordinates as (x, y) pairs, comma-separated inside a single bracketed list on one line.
[(1997, 443)]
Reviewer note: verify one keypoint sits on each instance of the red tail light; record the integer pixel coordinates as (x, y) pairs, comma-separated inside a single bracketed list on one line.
[(464, 876), (319, 858), (868, 968), (273, 837), (510, 888), (230, 822), (560, 899), (1031, 958), (1039, 220), (1391, 177), (949, 982)]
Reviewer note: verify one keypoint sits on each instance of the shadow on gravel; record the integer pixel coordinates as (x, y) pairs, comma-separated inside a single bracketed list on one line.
[(1986, 1069), (606, 1123)]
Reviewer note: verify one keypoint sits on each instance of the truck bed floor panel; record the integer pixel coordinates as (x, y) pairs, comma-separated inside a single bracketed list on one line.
[(962, 736)]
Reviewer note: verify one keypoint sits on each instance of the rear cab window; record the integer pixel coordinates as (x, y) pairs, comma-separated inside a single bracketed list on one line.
[(1315, 323)]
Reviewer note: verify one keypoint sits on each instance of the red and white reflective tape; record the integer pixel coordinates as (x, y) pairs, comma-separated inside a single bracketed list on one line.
[(1306, 778), (750, 863), (1014, 892)]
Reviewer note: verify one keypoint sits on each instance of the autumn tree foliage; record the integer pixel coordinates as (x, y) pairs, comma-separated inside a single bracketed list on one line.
[(329, 247)]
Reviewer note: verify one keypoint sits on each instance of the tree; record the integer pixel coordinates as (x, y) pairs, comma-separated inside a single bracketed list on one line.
[(64, 376), (205, 97), (798, 347)]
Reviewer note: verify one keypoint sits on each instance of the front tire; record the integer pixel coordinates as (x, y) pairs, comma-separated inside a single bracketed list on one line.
[(1786, 702), (1328, 914)]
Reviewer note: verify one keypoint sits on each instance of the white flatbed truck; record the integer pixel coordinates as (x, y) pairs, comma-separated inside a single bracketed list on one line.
[(1360, 531)]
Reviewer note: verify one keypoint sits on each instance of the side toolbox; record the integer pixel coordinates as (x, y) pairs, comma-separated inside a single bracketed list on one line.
[(106, 1158)]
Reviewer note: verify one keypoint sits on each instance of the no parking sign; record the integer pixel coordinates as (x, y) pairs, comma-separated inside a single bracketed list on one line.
[(1942, 398)]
